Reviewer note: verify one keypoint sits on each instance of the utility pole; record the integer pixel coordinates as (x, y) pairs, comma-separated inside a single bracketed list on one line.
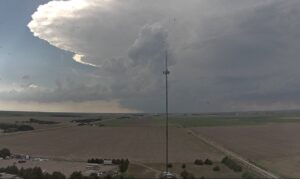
[(166, 73)]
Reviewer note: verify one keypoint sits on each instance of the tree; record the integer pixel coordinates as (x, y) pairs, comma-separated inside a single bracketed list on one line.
[(216, 168), (95, 160), (208, 162), (187, 175), (123, 166), (58, 175), (230, 163), (198, 162), (76, 175), (184, 174), (108, 177), (93, 176), (25, 128), (12, 170), (36, 173), (248, 175), (123, 177), (32, 173), (4, 153)]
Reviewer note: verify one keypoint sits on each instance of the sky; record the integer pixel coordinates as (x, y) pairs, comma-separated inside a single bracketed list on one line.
[(108, 55)]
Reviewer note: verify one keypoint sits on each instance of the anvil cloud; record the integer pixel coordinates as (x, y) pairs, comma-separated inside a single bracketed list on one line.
[(224, 55)]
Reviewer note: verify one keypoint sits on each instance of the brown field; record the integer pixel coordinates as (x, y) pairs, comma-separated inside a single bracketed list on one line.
[(19, 119), (81, 143), (140, 138), (140, 171), (69, 148), (272, 146)]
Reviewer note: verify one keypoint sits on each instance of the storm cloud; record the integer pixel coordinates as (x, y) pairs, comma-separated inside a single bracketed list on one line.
[(224, 55)]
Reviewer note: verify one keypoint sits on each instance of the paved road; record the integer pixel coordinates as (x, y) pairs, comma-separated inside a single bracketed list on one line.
[(245, 162)]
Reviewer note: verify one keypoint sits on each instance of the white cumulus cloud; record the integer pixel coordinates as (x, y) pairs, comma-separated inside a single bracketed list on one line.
[(103, 29)]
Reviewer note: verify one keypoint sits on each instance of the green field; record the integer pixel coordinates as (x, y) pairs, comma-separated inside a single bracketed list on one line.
[(203, 120)]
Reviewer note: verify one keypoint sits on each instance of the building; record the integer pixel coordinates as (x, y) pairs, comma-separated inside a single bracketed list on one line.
[(107, 162)]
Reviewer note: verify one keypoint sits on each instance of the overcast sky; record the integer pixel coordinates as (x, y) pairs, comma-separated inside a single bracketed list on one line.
[(108, 55)]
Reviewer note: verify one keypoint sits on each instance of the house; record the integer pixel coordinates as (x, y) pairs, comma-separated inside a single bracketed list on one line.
[(21, 157)]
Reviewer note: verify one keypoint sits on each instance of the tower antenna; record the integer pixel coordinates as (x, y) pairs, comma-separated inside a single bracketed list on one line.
[(166, 73)]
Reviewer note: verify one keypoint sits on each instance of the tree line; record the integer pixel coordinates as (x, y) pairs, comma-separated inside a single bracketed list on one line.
[(15, 127), (123, 163), (37, 121), (37, 173), (87, 120), (231, 164), (201, 162), (32, 173)]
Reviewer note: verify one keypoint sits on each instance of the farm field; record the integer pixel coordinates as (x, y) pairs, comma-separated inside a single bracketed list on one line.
[(275, 146), (267, 139), (69, 147), (199, 120), (23, 118), (137, 144)]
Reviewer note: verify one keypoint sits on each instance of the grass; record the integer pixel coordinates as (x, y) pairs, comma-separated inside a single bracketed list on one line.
[(116, 122), (198, 170), (140, 172), (199, 121)]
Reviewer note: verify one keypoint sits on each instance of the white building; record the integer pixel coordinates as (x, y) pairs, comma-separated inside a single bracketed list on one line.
[(107, 162)]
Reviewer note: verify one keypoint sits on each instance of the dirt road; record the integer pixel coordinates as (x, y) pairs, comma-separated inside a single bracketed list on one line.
[(245, 162)]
